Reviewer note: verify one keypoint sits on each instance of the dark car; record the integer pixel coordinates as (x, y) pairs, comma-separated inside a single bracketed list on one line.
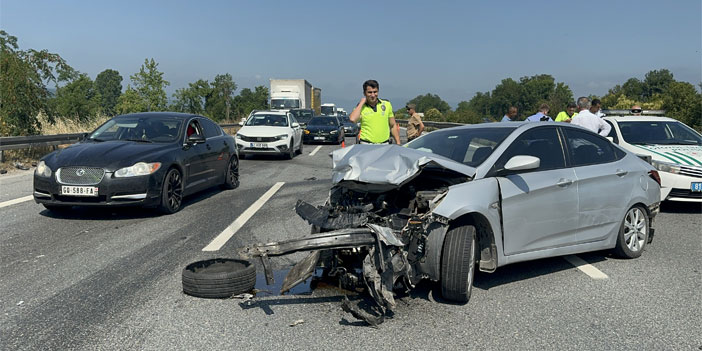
[(323, 129), (302, 115), (147, 159), (350, 128)]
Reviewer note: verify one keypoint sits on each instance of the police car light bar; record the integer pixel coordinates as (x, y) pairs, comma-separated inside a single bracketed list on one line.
[(628, 112)]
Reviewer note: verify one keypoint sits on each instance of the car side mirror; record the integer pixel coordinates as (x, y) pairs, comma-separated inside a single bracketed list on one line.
[(196, 139), (611, 139), (522, 163), (295, 125)]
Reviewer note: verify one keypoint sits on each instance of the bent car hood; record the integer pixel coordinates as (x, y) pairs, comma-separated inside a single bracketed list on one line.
[(108, 154), (686, 155), (386, 164)]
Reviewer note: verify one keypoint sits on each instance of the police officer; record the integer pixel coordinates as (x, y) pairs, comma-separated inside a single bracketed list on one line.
[(377, 119)]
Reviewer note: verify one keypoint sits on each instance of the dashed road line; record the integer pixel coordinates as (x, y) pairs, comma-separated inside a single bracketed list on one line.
[(315, 150), (16, 201), (227, 234), (585, 267)]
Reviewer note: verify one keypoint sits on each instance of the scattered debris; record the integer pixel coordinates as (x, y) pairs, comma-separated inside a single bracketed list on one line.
[(243, 297), (34, 163), (297, 322), (21, 166), (20, 303), (3, 171), (311, 178), (40, 256)]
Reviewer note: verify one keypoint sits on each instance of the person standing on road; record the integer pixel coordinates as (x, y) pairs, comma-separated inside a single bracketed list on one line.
[(588, 120), (596, 108), (568, 114), (415, 127), (377, 118), (511, 115), (541, 115)]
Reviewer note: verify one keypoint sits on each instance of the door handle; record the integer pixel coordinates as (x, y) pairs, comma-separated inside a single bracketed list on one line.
[(209, 147), (564, 182), (621, 172)]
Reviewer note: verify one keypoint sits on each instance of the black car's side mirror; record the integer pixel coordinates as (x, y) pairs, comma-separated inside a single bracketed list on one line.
[(195, 139)]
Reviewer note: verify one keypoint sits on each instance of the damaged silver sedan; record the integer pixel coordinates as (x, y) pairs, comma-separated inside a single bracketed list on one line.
[(467, 198)]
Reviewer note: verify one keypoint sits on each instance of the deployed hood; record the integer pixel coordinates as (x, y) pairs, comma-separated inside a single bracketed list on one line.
[(685, 155), (108, 154), (387, 164)]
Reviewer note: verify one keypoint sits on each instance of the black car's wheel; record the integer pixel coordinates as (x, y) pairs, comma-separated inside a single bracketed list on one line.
[(218, 278), (633, 233), (231, 177), (172, 192), (291, 150), (458, 263)]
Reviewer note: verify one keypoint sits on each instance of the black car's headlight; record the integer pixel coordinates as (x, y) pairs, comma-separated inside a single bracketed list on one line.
[(282, 137), (666, 167), (43, 170), (138, 169), (334, 132)]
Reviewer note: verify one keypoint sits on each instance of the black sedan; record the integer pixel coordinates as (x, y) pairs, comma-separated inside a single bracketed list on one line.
[(350, 128), (149, 159), (323, 129)]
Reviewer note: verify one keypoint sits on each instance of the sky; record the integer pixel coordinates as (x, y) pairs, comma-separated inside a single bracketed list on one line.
[(450, 48)]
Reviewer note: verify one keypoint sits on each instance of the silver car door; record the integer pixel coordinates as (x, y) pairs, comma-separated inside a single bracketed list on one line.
[(539, 207), (604, 184)]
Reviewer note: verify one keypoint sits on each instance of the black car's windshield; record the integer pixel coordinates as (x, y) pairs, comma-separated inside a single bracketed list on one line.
[(302, 113), (659, 132), (324, 121), (346, 120), (267, 120), (470, 146), (149, 129)]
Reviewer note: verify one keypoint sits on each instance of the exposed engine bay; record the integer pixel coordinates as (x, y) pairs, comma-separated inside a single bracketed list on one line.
[(370, 238)]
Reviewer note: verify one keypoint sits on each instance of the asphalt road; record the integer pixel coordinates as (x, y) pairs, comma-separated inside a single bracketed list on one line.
[(110, 280)]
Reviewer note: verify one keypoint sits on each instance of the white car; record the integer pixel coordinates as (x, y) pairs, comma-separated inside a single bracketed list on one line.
[(270, 132), (674, 148)]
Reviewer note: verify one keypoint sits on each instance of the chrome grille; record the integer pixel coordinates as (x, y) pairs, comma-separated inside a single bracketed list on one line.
[(691, 171), (80, 175), (258, 139)]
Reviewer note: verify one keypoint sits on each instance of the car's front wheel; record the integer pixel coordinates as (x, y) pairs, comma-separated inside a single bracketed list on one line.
[(291, 150), (458, 263), (633, 233), (172, 192), (300, 150)]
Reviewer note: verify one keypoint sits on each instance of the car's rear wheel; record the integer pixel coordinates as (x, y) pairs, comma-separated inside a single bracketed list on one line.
[(633, 233), (218, 278), (458, 263), (231, 177), (172, 192)]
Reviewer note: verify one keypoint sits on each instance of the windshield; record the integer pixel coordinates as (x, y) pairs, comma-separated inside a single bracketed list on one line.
[(140, 129), (328, 110), (470, 146), (659, 132), (285, 103), (302, 114), (323, 121), (267, 120)]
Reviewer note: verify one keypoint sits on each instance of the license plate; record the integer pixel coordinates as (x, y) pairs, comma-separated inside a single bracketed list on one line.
[(318, 138), (79, 190), (259, 145), (696, 187)]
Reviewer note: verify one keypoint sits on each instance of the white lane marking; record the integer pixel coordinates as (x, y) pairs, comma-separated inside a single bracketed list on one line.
[(227, 234), (16, 201), (315, 150), (585, 267)]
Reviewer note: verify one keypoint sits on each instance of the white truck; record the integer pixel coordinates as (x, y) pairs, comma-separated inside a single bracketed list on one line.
[(329, 109), (293, 93)]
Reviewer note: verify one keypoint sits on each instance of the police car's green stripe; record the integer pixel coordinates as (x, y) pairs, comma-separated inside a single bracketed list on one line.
[(683, 161), (694, 160), (658, 153)]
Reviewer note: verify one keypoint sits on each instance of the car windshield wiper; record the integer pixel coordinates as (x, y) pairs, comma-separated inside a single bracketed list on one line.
[(139, 140)]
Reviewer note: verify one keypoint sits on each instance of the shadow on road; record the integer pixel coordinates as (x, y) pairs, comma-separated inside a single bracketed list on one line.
[(681, 207)]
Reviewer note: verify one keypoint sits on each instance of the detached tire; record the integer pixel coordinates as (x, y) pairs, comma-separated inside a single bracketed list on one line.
[(458, 263), (219, 278)]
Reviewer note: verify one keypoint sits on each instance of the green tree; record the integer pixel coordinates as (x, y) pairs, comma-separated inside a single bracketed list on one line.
[(633, 89), (109, 85), (249, 100), (683, 102), (130, 102), (657, 82), (23, 91), (151, 86), (78, 100), (507, 93), (426, 102), (219, 103), (433, 114), (193, 98)]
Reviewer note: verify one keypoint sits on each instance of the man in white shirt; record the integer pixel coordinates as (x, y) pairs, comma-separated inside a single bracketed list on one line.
[(588, 120)]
